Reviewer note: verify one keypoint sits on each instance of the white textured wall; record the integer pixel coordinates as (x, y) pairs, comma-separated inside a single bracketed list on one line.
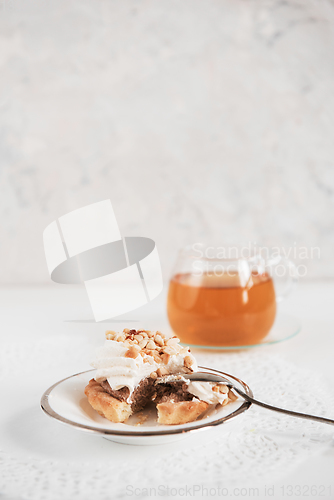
[(200, 119)]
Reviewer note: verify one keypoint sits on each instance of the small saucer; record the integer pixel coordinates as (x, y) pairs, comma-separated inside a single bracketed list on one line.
[(66, 402), (284, 328)]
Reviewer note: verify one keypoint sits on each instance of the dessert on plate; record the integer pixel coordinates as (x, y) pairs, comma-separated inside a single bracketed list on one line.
[(129, 371)]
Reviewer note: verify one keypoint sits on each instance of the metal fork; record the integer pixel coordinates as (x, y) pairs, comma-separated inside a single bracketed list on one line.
[(208, 377)]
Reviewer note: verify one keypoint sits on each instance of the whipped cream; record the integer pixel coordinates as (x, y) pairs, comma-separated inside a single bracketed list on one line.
[(204, 392), (120, 371)]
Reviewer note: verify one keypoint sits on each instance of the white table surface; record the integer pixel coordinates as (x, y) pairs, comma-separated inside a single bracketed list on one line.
[(36, 312)]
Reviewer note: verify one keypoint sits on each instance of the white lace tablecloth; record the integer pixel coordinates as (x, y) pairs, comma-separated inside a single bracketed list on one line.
[(42, 459)]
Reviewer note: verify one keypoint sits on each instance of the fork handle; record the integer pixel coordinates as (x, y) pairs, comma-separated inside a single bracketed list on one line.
[(282, 410)]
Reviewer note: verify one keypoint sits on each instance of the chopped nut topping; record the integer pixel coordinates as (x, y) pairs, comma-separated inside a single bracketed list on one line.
[(169, 350), (132, 352), (110, 332), (149, 352), (151, 344), (157, 358), (232, 396), (188, 362), (172, 341), (158, 340), (165, 358), (144, 333), (223, 389), (110, 335), (184, 369), (154, 375), (215, 388), (161, 371)]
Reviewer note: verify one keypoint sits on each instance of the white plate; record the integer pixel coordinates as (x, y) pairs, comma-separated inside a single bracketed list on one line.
[(66, 402)]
